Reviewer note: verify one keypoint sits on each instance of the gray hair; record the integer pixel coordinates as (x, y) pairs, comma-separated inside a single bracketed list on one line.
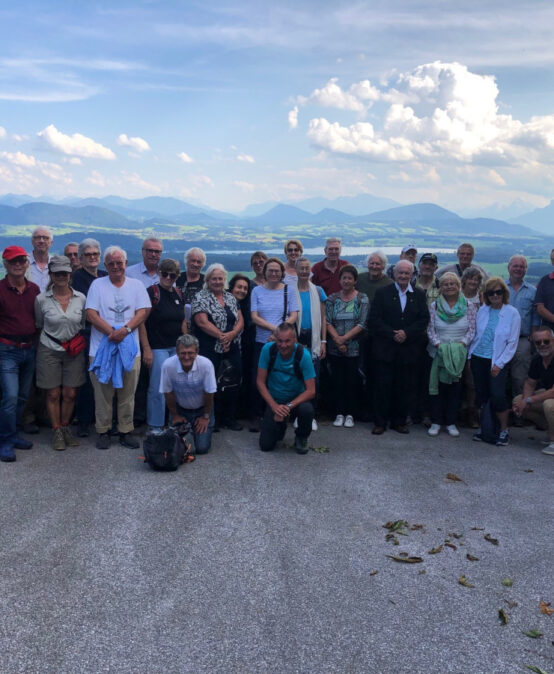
[(216, 266), (70, 243), (471, 272), (154, 239), (333, 239), (110, 250), (380, 255), (412, 266), (518, 256), (197, 251), (186, 341), (88, 243), (302, 258), (43, 228)]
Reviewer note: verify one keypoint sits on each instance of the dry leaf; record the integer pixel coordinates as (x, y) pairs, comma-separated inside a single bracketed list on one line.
[(545, 609), (395, 526), (507, 582), (490, 539), (454, 535), (477, 529), (537, 670), (453, 477), (406, 560), (533, 634), (472, 558), (373, 573), (450, 545), (503, 616), (434, 551), (528, 470), (422, 572), (511, 604), (415, 527), (462, 580)]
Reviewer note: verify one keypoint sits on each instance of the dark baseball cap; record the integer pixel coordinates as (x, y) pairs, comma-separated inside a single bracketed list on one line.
[(429, 257)]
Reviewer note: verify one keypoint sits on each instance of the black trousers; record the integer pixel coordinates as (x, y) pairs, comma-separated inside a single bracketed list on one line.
[(272, 431), (393, 391), (489, 387), (344, 379), (446, 405)]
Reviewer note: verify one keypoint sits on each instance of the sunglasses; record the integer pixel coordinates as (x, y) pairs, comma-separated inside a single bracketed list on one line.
[(17, 260), (91, 254), (168, 274), (153, 251), (72, 254), (542, 342), (492, 293)]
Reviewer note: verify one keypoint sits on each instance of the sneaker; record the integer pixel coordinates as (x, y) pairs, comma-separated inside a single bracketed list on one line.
[(549, 450), (339, 421), (453, 431), (314, 425), (129, 441), (300, 445), (82, 431), (295, 423), (7, 454), (503, 439), (103, 441), (434, 430), (70, 439), (58, 440), (477, 437), (349, 421), (21, 443)]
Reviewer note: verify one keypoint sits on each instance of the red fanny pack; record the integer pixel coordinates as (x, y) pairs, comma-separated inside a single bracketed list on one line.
[(73, 346)]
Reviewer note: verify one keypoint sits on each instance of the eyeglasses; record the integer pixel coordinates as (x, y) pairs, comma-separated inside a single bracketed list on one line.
[(293, 250), (17, 260), (41, 237), (91, 254), (273, 271), (152, 251), (115, 264), (72, 254), (542, 342), (168, 274), (492, 293), (256, 263)]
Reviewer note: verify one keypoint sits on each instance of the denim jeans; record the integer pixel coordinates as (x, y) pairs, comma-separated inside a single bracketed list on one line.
[(17, 367), (202, 441), (155, 415)]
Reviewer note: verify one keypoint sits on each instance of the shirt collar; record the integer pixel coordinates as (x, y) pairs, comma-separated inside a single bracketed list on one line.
[(409, 289), (192, 369)]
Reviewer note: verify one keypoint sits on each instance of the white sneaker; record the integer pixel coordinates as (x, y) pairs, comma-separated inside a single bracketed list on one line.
[(295, 423), (434, 430), (314, 425), (339, 421), (549, 450), (349, 421), (453, 431)]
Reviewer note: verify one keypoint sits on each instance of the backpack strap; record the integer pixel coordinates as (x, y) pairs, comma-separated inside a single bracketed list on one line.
[(272, 357), (285, 303), (298, 353)]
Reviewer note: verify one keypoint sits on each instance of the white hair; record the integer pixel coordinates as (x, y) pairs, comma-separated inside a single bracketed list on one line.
[(195, 251), (43, 228), (333, 239), (380, 255), (517, 256), (88, 243), (110, 250), (216, 266), (412, 266)]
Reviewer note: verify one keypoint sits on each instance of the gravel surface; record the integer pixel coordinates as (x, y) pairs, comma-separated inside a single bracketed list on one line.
[(246, 561)]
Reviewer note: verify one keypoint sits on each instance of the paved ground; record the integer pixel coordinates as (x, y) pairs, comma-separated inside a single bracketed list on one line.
[(251, 562)]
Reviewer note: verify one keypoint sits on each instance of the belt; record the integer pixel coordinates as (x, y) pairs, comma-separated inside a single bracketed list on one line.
[(18, 345)]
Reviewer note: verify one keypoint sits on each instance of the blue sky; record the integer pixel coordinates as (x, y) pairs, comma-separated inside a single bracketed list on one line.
[(230, 103)]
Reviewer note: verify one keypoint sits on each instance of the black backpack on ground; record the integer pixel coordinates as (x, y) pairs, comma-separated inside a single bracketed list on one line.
[(166, 450)]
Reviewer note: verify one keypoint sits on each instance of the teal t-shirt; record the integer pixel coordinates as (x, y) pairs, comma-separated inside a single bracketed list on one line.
[(283, 384), (306, 306), (485, 346)]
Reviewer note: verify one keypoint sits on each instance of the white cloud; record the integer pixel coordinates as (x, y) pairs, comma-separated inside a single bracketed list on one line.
[(202, 181), (135, 142), (97, 179), (77, 144), (19, 159), (2, 132), (293, 117), (183, 156), (27, 168), (135, 180), (248, 158), (244, 186)]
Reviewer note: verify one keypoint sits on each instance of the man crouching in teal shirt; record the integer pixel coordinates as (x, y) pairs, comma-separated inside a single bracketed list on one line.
[(286, 381)]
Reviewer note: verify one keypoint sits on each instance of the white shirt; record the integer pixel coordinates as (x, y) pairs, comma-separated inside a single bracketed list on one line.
[(115, 305), (403, 294), (188, 387), (138, 271)]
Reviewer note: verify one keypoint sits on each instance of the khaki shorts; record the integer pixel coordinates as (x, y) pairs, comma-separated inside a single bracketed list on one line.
[(58, 368)]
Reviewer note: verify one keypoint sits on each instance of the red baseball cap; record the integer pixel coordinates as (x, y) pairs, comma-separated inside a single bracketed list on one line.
[(14, 251)]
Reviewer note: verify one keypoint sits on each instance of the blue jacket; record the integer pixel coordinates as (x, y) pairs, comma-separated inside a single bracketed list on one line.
[(113, 359)]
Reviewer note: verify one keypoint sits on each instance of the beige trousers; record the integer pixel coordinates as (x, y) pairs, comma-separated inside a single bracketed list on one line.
[(103, 400), (541, 414)]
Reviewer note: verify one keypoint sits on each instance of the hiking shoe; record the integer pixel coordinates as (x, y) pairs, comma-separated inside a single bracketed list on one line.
[(70, 439), (314, 425), (128, 440), (339, 420), (58, 440), (434, 430), (7, 454), (349, 421), (503, 439), (300, 445), (82, 431), (453, 432), (103, 441), (21, 443), (477, 437), (549, 450)]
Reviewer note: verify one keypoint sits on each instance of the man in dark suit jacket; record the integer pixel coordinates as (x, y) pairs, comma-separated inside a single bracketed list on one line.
[(397, 321)]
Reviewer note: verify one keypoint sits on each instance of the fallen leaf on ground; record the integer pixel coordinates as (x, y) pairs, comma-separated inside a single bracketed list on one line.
[(472, 558), (507, 582), (511, 604), (462, 580), (503, 616), (534, 634), (395, 526), (490, 539), (528, 470), (422, 572), (477, 529), (453, 477), (545, 609), (434, 551), (320, 450), (537, 670), (373, 573), (415, 527), (407, 560), (450, 545)]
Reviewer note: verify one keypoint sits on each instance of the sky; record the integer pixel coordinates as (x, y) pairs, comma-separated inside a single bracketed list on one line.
[(232, 103)]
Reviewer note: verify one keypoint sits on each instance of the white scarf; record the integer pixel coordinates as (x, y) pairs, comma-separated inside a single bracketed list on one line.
[(315, 315)]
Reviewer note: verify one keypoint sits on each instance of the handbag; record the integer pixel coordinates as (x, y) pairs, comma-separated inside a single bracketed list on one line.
[(73, 346), (227, 376)]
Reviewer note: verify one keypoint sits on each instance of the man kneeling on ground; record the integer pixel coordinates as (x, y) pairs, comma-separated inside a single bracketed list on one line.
[(188, 383), (536, 403), (286, 381)]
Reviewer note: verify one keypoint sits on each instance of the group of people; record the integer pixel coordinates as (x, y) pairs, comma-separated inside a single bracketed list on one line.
[(396, 345)]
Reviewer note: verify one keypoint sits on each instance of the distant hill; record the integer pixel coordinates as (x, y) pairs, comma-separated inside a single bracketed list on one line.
[(361, 204), (416, 213), (39, 213), (541, 219)]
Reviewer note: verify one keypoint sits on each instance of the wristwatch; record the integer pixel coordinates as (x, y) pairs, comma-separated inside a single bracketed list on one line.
[(205, 416), (129, 331), (289, 405), (528, 400)]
